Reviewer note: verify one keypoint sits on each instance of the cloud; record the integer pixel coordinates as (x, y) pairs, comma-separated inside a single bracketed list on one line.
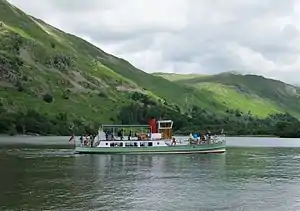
[(185, 36)]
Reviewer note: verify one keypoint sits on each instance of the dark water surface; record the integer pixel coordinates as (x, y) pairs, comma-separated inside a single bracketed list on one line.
[(264, 177)]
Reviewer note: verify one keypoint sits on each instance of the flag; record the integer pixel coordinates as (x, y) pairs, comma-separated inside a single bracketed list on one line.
[(72, 138)]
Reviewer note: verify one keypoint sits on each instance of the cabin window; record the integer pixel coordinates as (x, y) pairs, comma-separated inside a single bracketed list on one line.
[(150, 144), (121, 144), (106, 144), (157, 143), (135, 144), (142, 144), (113, 144)]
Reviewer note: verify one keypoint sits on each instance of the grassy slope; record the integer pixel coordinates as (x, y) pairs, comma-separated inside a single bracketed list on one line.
[(83, 93), (96, 85), (177, 77), (246, 92)]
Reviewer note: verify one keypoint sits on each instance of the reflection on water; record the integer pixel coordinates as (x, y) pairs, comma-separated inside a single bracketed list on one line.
[(135, 182), (241, 179)]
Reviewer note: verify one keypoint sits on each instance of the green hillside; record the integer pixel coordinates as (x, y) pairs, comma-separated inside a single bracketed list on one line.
[(41, 62), (51, 80), (177, 77), (76, 74), (245, 92)]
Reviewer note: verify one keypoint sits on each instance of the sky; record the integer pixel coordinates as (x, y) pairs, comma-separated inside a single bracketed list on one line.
[(186, 36)]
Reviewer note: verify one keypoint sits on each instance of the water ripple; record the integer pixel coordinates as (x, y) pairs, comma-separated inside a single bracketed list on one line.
[(242, 179)]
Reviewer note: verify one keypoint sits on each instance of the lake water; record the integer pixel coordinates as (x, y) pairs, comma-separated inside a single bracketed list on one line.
[(254, 174)]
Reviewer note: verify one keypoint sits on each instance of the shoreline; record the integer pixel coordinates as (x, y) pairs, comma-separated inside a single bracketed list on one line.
[(178, 135), (255, 136)]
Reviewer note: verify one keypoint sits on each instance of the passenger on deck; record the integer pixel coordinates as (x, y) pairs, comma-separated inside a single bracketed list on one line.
[(208, 137), (202, 138), (106, 135), (120, 134), (195, 136), (129, 136), (173, 142), (92, 140), (81, 140), (109, 136), (86, 140)]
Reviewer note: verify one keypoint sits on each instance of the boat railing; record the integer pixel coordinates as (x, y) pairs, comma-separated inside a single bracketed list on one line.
[(88, 142)]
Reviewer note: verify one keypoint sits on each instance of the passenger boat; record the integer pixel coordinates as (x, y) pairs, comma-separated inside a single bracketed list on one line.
[(153, 138)]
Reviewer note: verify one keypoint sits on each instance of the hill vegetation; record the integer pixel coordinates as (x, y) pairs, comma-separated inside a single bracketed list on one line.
[(51, 81), (245, 92)]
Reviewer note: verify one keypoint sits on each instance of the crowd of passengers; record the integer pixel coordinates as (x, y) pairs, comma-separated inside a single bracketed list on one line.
[(201, 138), (110, 136), (88, 140)]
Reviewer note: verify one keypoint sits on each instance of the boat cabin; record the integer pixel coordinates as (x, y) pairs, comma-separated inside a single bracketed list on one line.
[(156, 133)]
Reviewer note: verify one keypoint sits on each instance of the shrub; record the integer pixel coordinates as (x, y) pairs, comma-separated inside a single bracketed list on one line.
[(19, 86), (48, 98), (60, 61), (65, 96), (102, 94)]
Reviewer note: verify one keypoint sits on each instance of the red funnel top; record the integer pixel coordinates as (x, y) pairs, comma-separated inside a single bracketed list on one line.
[(152, 124)]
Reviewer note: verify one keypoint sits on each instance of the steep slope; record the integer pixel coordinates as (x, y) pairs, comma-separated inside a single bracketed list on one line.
[(246, 92), (40, 61), (51, 81), (54, 72)]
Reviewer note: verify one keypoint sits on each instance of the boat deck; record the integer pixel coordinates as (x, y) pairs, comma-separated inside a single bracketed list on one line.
[(156, 147)]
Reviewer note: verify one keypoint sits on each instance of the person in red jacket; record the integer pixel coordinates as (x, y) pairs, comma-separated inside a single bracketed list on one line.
[(152, 124)]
